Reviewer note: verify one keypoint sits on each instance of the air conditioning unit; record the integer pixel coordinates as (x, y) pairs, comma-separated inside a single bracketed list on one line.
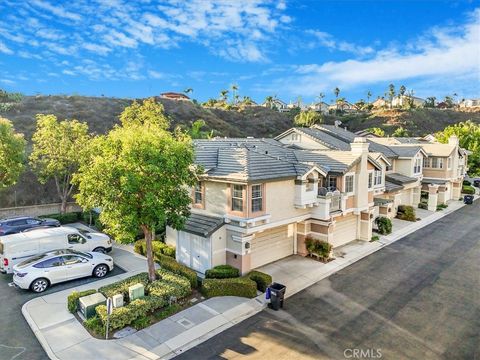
[(136, 291), (89, 303), (117, 300)]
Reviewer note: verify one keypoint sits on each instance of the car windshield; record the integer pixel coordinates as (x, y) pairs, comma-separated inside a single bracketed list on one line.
[(70, 251), (32, 260), (83, 232)]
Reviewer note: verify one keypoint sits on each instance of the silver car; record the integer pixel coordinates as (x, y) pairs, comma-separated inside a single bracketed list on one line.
[(52, 267)]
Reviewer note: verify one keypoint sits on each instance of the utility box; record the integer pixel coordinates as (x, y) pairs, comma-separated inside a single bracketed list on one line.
[(136, 291), (117, 300), (89, 303)]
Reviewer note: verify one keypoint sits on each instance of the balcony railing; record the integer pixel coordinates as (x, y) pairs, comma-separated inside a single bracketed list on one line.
[(334, 195)]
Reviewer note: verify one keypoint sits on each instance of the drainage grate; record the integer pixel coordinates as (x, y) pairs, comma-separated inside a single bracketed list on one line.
[(185, 323)]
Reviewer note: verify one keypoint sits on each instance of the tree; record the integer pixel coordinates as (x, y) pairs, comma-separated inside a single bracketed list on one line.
[(430, 102), (196, 132), (307, 118), (468, 134), (391, 93), (234, 88), (139, 174), (336, 91), (12, 154), (449, 101), (320, 98), (57, 151), (269, 101), (369, 95), (402, 90), (400, 132), (149, 111), (188, 91), (377, 131), (224, 95)]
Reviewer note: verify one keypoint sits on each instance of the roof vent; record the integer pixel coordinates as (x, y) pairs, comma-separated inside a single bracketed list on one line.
[(345, 128), (250, 137), (266, 152)]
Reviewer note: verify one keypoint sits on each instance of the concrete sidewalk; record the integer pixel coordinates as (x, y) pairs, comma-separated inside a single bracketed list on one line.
[(297, 272), (63, 337)]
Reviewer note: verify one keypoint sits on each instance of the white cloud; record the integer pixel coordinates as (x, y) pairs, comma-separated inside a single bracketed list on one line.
[(443, 53), (98, 49), (4, 49), (56, 10), (327, 40), (156, 75), (7, 81)]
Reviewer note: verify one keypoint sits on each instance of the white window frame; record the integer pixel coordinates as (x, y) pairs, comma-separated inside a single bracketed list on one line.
[(449, 163), (352, 175), (441, 163), (237, 197), (198, 190), (377, 178), (370, 179), (256, 198), (434, 163), (295, 137), (417, 165)]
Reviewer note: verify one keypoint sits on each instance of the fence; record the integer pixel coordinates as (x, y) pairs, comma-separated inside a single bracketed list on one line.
[(37, 210)]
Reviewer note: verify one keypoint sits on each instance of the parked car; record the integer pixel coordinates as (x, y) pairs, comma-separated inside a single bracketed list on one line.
[(44, 270), (476, 182), (18, 224), (16, 248)]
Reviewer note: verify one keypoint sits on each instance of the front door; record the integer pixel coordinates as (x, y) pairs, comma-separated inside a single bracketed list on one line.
[(76, 267)]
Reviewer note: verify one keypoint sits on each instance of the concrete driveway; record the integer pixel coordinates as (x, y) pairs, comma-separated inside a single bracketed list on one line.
[(418, 298), (17, 341)]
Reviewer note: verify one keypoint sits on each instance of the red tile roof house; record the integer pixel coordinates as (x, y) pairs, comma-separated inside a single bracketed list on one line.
[(174, 96)]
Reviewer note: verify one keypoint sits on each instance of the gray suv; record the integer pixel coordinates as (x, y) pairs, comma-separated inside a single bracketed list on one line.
[(18, 224)]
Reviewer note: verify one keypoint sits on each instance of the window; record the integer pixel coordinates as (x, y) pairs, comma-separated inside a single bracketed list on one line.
[(389, 168), (73, 259), (33, 222), (417, 167), (349, 183), (18, 222), (449, 163), (257, 198), (440, 163), (295, 137), (198, 196), (237, 198), (53, 262), (426, 163), (370, 180), (332, 182), (378, 177), (76, 239)]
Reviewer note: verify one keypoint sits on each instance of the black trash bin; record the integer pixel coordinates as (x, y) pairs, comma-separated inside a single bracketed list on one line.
[(277, 295), (468, 199)]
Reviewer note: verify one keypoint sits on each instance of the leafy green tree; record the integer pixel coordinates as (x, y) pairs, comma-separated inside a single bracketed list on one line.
[(449, 101), (430, 102), (224, 95), (308, 118), (149, 111), (12, 154), (400, 132), (58, 148), (139, 174), (377, 131), (402, 90), (468, 134), (196, 132), (234, 88), (369, 95)]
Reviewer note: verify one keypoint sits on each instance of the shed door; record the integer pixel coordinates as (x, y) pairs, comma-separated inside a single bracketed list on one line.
[(194, 251)]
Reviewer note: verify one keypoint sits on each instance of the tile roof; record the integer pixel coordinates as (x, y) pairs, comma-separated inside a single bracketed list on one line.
[(399, 179), (392, 187), (329, 160), (325, 139), (202, 225), (405, 151)]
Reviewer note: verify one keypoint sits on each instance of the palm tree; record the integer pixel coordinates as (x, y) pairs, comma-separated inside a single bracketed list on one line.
[(224, 95), (336, 91), (269, 101), (188, 91), (234, 88), (391, 93), (369, 95), (402, 90)]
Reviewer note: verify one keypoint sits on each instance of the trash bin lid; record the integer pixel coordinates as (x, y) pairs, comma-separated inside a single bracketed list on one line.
[(277, 286)]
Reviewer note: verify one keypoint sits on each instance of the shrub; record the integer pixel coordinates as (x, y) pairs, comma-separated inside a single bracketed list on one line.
[(470, 190), (241, 286), (423, 205), (172, 265), (261, 279), (222, 272), (121, 287), (466, 182), (406, 212), (384, 225), (374, 238), (440, 207), (67, 218), (158, 247), (95, 325), (168, 285), (72, 299), (319, 247)]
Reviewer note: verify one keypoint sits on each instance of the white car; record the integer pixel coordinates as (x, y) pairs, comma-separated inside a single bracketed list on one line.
[(41, 271)]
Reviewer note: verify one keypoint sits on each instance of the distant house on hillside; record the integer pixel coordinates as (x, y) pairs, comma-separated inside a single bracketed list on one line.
[(278, 104), (379, 103), (401, 100), (321, 107), (468, 103), (175, 96), (343, 106)]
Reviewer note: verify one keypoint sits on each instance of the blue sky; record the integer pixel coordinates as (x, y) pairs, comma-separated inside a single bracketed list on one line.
[(285, 48)]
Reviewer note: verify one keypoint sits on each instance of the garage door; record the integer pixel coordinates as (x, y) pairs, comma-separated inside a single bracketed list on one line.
[(405, 197), (345, 230), (271, 245)]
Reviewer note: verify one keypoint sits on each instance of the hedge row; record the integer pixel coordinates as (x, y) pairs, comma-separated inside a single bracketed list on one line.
[(172, 265), (406, 212), (72, 299), (158, 247), (261, 279), (242, 286), (222, 272), (67, 218), (469, 190), (169, 284), (121, 287)]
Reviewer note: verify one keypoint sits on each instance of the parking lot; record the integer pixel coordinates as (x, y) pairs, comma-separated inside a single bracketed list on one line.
[(17, 341)]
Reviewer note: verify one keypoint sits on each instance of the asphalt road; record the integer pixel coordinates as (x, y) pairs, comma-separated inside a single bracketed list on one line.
[(17, 341), (418, 298)]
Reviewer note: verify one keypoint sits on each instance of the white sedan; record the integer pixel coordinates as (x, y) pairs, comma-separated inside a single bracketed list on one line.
[(41, 271)]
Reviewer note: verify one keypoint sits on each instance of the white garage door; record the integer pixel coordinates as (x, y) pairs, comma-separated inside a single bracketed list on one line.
[(194, 251), (271, 245), (345, 230)]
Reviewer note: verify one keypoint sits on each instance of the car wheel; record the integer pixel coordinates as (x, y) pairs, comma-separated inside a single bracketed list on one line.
[(39, 285), (100, 250), (100, 271)]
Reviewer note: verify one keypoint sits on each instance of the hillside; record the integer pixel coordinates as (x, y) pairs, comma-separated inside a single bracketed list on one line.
[(102, 113)]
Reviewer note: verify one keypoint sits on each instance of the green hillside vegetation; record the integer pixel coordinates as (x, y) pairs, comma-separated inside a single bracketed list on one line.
[(237, 120)]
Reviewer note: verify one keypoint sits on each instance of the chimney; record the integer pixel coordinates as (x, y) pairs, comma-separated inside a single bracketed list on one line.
[(453, 140), (359, 146)]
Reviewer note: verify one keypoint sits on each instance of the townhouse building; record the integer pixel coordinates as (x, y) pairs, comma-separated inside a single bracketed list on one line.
[(259, 199)]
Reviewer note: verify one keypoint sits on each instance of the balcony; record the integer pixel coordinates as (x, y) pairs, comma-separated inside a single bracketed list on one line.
[(330, 200)]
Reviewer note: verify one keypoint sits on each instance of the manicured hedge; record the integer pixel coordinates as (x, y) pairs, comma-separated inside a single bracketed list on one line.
[(222, 272), (158, 247), (67, 218), (72, 299), (169, 284), (469, 190), (466, 182), (261, 279), (406, 212), (172, 265), (241, 286), (384, 225), (121, 287)]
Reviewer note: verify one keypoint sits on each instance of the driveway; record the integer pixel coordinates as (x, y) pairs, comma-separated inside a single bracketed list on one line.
[(418, 298), (16, 338)]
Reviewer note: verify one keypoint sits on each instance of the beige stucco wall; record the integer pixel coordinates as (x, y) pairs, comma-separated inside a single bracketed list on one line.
[(218, 243), (215, 198), (404, 166), (280, 200)]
